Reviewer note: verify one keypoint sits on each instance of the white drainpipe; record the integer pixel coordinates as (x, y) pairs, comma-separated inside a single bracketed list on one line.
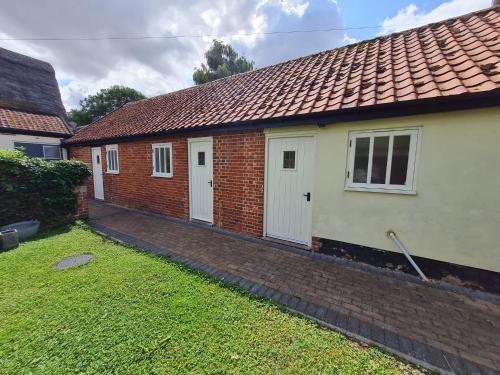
[(391, 234)]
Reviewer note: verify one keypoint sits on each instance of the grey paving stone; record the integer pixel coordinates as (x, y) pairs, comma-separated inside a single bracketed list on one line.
[(293, 302), (331, 317), (269, 292), (320, 313), (353, 325), (301, 306), (455, 364), (365, 329), (284, 299), (276, 296), (436, 358), (421, 351), (406, 346), (342, 320), (391, 340), (378, 334), (254, 288)]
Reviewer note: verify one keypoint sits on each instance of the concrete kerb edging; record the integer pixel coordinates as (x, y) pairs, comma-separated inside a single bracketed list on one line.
[(448, 363), (473, 294)]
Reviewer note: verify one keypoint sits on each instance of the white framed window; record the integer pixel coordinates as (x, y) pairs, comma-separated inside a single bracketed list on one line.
[(162, 159), (112, 159), (52, 152), (383, 161)]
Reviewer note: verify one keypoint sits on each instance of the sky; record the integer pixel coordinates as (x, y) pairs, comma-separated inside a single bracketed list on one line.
[(158, 66)]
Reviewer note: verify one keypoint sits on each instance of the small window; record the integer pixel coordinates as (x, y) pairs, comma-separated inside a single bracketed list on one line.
[(51, 152), (382, 161), (288, 159), (201, 158), (162, 159), (112, 160)]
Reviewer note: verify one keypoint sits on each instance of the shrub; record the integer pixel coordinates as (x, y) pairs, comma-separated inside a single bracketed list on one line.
[(34, 188)]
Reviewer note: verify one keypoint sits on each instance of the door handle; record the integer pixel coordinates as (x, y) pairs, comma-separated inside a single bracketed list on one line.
[(210, 182), (308, 196)]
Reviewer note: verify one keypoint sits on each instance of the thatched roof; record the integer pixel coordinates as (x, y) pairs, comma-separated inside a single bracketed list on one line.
[(29, 85)]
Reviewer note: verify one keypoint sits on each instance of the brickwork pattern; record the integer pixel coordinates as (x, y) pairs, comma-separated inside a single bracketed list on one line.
[(84, 154), (238, 167), (239, 181), (82, 202)]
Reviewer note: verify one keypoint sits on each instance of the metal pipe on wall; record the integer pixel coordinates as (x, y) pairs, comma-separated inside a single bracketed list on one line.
[(391, 234)]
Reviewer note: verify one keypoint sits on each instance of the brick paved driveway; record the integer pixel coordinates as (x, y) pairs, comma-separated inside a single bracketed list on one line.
[(447, 330)]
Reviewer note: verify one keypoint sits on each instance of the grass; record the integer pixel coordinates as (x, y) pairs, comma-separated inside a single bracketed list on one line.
[(130, 312)]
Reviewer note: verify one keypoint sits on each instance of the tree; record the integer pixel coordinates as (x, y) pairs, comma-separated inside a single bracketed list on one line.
[(96, 106), (222, 61)]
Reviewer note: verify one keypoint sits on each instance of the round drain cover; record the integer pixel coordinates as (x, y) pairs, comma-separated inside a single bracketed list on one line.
[(74, 261)]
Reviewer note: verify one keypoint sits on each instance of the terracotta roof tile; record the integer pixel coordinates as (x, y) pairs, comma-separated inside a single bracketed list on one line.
[(18, 120), (452, 57)]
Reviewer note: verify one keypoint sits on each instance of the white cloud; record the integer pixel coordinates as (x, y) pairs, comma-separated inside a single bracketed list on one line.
[(156, 66), (410, 16)]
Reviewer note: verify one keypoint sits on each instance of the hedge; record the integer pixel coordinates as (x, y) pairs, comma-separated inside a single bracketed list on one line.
[(34, 188)]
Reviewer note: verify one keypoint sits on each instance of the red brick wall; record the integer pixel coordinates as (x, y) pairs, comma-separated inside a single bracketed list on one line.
[(135, 187), (84, 154), (82, 202), (238, 179)]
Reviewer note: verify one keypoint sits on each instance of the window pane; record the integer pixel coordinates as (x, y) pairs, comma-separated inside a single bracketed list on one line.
[(33, 150), (201, 158), (162, 160), (400, 153), (167, 150), (52, 152), (157, 160), (360, 172), (379, 159), (288, 159), (115, 162)]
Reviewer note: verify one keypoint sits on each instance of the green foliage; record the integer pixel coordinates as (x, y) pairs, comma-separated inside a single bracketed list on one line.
[(96, 106), (222, 61), (128, 312), (34, 188)]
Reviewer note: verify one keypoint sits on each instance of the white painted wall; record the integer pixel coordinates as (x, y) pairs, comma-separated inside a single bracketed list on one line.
[(7, 141), (455, 214)]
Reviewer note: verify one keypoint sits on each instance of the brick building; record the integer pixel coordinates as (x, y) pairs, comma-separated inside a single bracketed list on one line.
[(334, 149)]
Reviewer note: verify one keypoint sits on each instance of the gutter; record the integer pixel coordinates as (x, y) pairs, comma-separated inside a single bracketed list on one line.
[(34, 132)]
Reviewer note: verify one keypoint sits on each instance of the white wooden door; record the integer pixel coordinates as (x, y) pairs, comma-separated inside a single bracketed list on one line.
[(200, 179), (290, 169), (97, 173)]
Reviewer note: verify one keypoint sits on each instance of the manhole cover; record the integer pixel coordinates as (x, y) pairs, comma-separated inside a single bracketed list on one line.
[(74, 261)]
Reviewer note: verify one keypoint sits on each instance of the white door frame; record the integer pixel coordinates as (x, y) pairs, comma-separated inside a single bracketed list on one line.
[(287, 134), (190, 142), (93, 175)]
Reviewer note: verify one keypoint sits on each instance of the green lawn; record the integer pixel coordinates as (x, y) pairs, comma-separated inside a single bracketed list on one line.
[(130, 312)]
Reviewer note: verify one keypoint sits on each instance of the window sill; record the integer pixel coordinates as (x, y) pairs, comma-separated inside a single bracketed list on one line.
[(162, 175), (111, 172), (380, 190)]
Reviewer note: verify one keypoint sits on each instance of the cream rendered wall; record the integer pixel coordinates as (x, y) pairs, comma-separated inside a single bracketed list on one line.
[(455, 215), (7, 141)]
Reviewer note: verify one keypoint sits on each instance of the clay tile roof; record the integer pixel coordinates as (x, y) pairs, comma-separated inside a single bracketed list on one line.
[(453, 57), (18, 121)]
